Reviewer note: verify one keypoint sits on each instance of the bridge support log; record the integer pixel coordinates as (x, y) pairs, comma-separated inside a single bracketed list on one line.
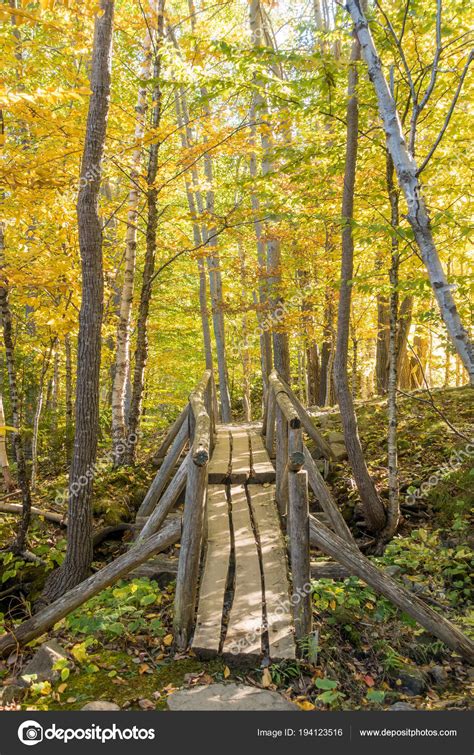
[(189, 555), (299, 552), (48, 617), (172, 433), (166, 470), (325, 499), (358, 565), (200, 428), (167, 500)]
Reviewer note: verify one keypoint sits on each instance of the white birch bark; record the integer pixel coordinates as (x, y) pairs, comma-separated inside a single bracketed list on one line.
[(122, 354), (407, 173), (7, 478), (280, 339)]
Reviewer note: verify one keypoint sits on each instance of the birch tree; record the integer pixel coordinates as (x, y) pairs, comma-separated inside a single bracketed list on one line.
[(408, 173), (122, 354)]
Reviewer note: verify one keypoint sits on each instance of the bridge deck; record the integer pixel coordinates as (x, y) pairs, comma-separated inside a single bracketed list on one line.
[(244, 609)]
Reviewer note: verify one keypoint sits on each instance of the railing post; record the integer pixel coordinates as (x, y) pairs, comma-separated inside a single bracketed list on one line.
[(299, 552), (281, 461), (189, 555), (270, 424), (201, 436)]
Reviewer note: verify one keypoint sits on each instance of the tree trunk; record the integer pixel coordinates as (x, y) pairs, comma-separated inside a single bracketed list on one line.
[(79, 550), (22, 474), (407, 173), (69, 399), (141, 347), (10, 484), (327, 353), (182, 117), (37, 417), (266, 355), (122, 355), (381, 357), (281, 352), (373, 508), (393, 508)]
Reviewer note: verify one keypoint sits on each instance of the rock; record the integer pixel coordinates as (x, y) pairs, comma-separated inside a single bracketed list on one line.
[(413, 680), (100, 705), (339, 451), (12, 693), (393, 570), (336, 437), (401, 706), (43, 661), (228, 697), (439, 675)]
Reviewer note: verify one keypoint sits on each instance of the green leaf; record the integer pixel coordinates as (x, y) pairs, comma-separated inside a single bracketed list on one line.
[(326, 684), (376, 695)]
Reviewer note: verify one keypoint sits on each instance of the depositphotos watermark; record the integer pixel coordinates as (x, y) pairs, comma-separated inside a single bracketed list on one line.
[(454, 462), (100, 465), (32, 733)]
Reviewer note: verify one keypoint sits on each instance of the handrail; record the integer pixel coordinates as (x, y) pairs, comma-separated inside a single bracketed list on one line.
[(201, 421), (202, 408)]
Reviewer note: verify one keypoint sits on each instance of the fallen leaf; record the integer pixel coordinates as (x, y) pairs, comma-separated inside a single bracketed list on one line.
[(146, 704), (144, 667), (305, 705), (168, 640), (266, 678), (369, 681), (61, 688), (226, 672)]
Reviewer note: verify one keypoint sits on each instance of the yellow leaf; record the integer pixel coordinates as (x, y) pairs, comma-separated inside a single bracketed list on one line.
[(305, 705), (62, 687), (168, 640), (226, 672), (266, 678)]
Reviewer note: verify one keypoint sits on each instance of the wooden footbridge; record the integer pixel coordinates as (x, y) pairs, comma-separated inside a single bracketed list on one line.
[(243, 582)]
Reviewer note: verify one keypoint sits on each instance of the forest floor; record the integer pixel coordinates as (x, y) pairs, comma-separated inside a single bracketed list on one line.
[(370, 656)]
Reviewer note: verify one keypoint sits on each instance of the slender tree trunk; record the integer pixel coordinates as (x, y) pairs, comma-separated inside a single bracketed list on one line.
[(122, 358), (373, 508), (407, 173), (22, 474), (78, 559), (185, 134), (281, 353), (37, 417), (266, 356), (7, 477), (69, 398), (141, 346), (381, 357), (393, 508), (246, 359)]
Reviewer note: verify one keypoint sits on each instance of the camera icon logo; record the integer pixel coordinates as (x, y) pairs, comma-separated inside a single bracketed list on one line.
[(30, 733)]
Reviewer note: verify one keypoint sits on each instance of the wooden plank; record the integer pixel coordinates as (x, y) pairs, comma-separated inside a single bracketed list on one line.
[(240, 462), (219, 466), (262, 470), (275, 572), (244, 630), (214, 578)]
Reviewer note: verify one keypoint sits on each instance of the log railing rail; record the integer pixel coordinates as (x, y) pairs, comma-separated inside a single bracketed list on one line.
[(201, 432), (285, 420)]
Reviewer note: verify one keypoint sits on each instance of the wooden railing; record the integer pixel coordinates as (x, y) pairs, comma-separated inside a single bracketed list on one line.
[(201, 432), (195, 425), (285, 420)]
